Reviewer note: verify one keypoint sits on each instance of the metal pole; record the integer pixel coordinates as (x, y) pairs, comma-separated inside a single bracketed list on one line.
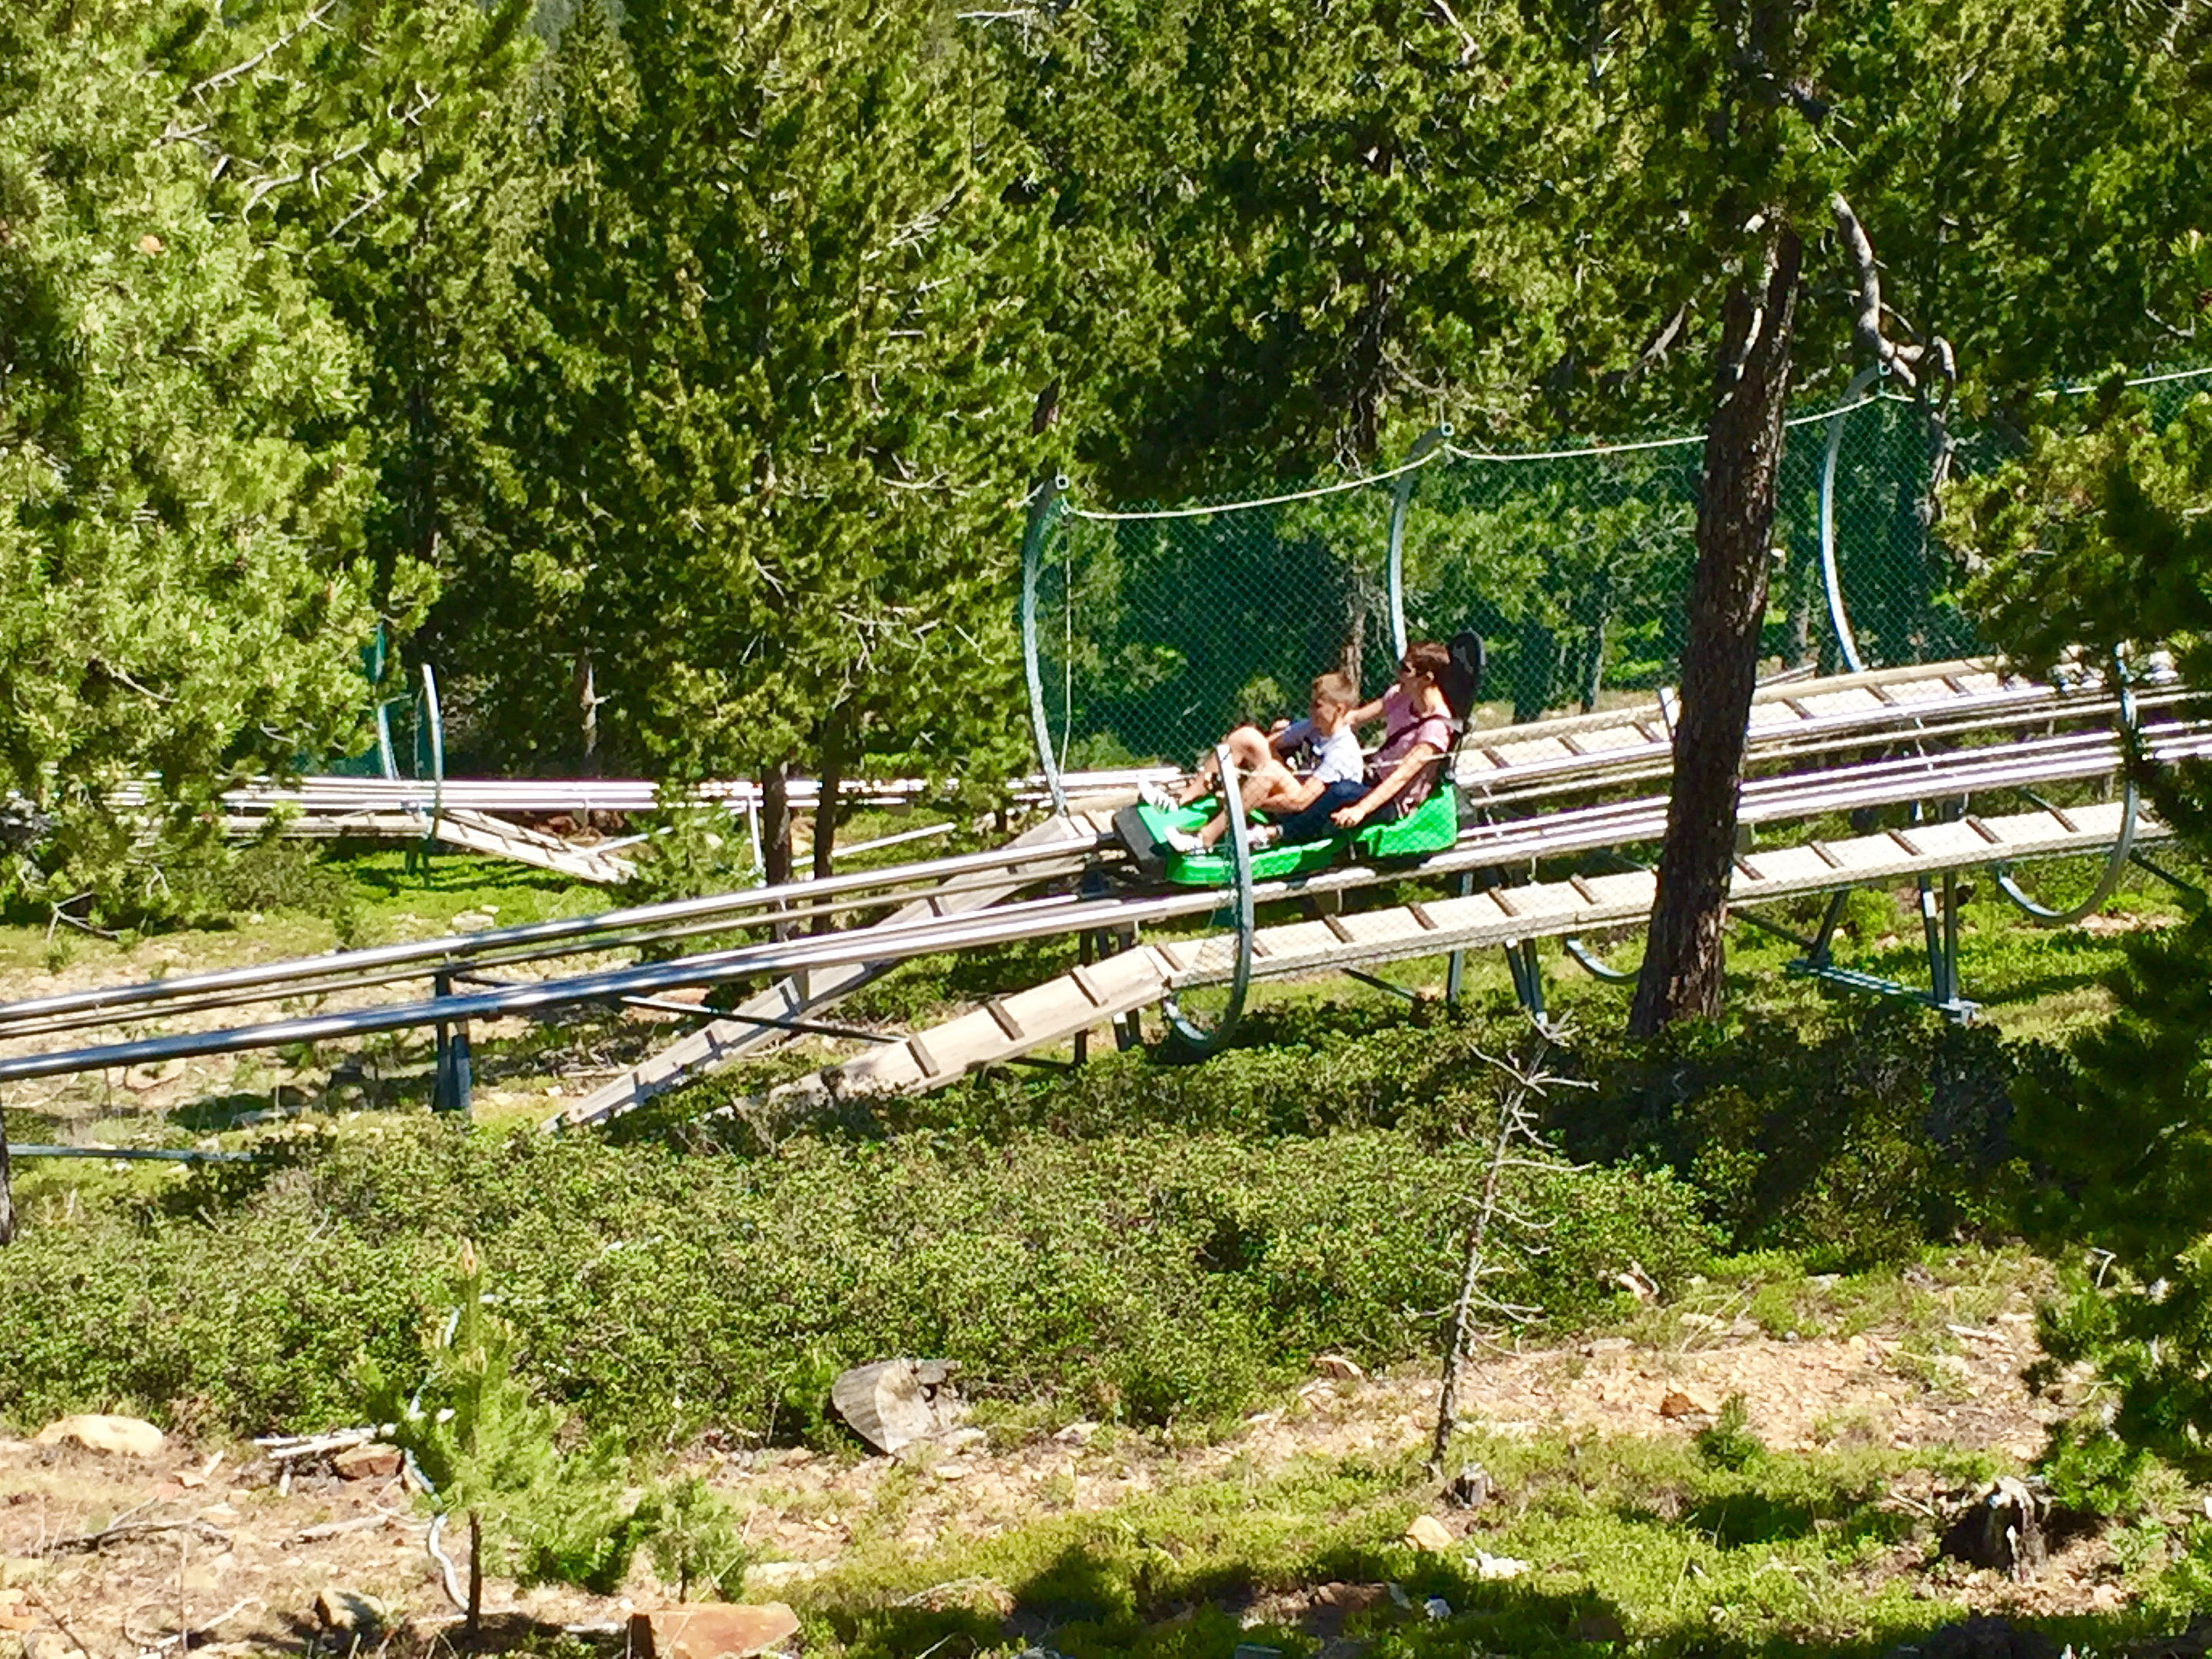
[(1847, 645), (1401, 496), (450, 1081), (1455, 963), (1200, 1043), (1042, 506), (434, 724)]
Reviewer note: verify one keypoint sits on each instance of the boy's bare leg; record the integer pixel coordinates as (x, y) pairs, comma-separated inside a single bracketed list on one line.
[(1249, 751), (1264, 787)]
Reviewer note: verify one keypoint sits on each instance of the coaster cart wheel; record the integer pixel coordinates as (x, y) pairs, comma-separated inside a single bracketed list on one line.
[(2123, 844), (1196, 1031)]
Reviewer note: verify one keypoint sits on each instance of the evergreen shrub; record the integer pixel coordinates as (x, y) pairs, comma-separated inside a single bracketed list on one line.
[(1849, 1145), (1141, 1275)]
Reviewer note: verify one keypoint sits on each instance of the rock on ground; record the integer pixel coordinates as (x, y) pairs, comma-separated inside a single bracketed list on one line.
[(129, 1436), (711, 1630)]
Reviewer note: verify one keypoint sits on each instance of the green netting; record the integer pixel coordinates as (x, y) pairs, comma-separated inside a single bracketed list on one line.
[(1157, 631), (1156, 634)]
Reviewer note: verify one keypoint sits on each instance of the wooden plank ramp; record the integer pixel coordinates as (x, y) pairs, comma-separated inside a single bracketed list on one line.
[(723, 1041), (480, 832), (1572, 750), (465, 828), (1047, 1015)]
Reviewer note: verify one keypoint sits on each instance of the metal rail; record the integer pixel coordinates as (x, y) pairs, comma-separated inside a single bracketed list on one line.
[(1809, 716), (1556, 835), (608, 930), (1012, 1027)]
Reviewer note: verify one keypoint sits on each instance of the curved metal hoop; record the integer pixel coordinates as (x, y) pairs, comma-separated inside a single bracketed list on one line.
[(432, 727), (1847, 644), (2123, 845), (1041, 511), (1590, 963), (1401, 498), (1190, 1039)]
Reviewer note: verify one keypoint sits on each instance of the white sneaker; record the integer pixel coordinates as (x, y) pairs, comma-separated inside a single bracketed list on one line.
[(1155, 797), (1263, 836), (1181, 840)]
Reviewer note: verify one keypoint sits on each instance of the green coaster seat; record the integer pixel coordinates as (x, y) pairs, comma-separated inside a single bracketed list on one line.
[(1429, 827)]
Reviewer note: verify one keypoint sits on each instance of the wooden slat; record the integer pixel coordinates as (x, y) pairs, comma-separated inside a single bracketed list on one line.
[(1054, 1012)]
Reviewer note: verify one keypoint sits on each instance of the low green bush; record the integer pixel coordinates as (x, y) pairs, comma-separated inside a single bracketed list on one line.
[(1146, 1276), (1847, 1145), (1298, 1070)]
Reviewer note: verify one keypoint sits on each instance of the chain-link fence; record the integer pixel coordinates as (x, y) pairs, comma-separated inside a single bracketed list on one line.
[(1155, 631)]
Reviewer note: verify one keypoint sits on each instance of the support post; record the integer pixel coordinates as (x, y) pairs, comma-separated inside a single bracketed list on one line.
[(1042, 506), (1196, 1043), (451, 1082), (1086, 952), (1527, 976), (1455, 963), (1401, 498)]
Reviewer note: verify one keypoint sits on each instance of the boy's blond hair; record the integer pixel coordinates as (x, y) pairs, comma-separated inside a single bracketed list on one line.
[(1336, 687)]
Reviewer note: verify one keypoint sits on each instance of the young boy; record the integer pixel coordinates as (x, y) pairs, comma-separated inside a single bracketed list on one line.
[(1334, 779)]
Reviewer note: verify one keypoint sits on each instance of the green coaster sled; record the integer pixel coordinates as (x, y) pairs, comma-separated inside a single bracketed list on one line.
[(1429, 827)]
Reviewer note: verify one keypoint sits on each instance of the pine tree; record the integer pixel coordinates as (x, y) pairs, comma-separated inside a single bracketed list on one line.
[(770, 441), (180, 488), (2099, 544), (489, 1452)]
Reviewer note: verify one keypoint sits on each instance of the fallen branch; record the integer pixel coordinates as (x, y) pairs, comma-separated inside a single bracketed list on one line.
[(125, 1531), (339, 1528), (60, 1623), (284, 1448)]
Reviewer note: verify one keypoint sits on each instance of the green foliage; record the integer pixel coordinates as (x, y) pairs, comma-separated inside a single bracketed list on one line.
[(1729, 1442), (696, 1541), (697, 847), (766, 438), (276, 874), (1794, 1554), (1147, 1277), (489, 1451), (2098, 536), (1851, 1144), (2094, 540), (179, 489), (2088, 1469)]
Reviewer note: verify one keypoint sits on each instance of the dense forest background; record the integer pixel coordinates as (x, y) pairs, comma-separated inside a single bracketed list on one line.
[(673, 377)]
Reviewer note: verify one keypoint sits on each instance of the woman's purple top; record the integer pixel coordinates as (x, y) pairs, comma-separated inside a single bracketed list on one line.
[(1404, 726)]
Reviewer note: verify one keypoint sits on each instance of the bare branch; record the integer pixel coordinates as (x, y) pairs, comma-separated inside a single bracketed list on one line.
[(1467, 46), (223, 77), (1867, 323)]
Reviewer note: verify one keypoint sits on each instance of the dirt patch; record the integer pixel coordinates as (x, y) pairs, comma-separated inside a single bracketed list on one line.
[(243, 1560)]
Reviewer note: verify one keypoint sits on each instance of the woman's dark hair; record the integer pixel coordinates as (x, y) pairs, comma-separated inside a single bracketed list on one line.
[(1426, 657)]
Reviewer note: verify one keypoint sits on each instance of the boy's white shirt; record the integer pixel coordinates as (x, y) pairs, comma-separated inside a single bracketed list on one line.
[(1337, 758)]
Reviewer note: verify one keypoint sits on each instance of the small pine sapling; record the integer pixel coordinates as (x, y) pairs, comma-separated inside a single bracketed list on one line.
[(1729, 1442), (488, 1451), (696, 1541), (1492, 1229)]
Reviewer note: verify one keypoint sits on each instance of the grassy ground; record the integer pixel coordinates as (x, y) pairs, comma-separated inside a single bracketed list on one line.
[(1814, 1529), (1799, 1514)]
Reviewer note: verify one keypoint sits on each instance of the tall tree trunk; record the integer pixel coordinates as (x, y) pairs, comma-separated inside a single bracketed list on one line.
[(1683, 959), (776, 832), (836, 747)]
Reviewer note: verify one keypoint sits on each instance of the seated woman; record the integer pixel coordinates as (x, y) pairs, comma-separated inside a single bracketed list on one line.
[(1333, 778), (1418, 727)]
